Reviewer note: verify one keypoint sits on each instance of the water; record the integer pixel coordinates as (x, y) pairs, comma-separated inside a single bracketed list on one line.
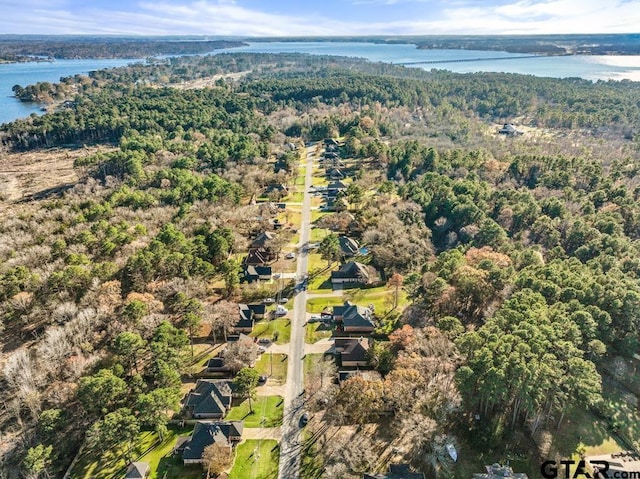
[(29, 73), (588, 67)]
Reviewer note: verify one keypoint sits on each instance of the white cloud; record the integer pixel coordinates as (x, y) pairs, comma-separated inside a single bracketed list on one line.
[(226, 17)]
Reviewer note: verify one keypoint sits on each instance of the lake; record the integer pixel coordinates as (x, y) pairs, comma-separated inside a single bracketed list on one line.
[(460, 61)]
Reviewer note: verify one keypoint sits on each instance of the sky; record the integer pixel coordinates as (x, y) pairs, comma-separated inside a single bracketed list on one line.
[(318, 17)]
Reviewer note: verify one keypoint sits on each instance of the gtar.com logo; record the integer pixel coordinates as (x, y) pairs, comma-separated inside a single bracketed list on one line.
[(553, 469)]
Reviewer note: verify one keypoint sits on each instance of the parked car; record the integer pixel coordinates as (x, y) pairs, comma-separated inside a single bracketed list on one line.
[(268, 300), (262, 349), (281, 310), (262, 380), (291, 255), (264, 341), (314, 318), (304, 419), (276, 275), (283, 300)]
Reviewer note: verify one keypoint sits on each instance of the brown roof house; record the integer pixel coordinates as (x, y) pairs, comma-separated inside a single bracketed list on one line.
[(352, 318), (224, 433), (354, 273), (352, 352), (210, 399)]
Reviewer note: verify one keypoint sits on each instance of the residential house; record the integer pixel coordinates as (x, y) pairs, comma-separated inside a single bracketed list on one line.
[(498, 471), (276, 189), (353, 272), (217, 365), (396, 471), (352, 352), (336, 174), (257, 257), (263, 241), (348, 246), (137, 470), (210, 399), (248, 314), (352, 318), (226, 434), (510, 130), (261, 250), (252, 273)]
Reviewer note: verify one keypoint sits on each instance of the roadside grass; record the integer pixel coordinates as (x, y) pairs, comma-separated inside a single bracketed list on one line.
[(267, 412), (320, 283), (290, 217), (316, 305), (256, 459), (316, 262), (295, 197), (280, 328), (273, 367), (317, 214), (316, 331), (301, 177), (318, 234)]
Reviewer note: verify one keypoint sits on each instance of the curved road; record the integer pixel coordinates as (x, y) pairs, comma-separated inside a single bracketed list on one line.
[(290, 447)]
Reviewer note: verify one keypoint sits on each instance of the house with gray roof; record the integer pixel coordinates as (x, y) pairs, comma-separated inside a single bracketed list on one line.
[(210, 399), (223, 433), (354, 273), (137, 470), (352, 352), (352, 318)]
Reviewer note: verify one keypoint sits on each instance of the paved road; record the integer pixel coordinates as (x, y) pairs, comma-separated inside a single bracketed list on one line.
[(293, 401)]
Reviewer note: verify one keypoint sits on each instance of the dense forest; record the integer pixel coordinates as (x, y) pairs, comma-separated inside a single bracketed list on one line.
[(25, 48), (519, 255)]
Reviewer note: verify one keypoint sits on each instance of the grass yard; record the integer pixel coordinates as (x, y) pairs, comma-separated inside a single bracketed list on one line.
[(318, 234), (274, 367), (317, 214), (320, 283), (256, 459), (295, 197), (270, 329), (267, 412), (316, 262), (312, 466), (159, 456), (316, 331), (381, 298), (300, 178), (316, 305)]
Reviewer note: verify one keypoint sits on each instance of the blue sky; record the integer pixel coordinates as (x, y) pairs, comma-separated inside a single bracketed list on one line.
[(315, 17)]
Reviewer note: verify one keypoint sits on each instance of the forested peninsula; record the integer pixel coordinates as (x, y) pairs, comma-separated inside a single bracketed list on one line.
[(500, 273)]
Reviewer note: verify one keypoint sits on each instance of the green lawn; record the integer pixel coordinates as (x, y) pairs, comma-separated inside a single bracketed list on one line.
[(267, 412), (317, 214), (320, 283), (316, 305), (267, 329), (316, 262), (274, 367), (381, 298), (162, 460), (113, 463), (312, 465), (316, 331), (318, 234), (256, 459), (300, 178), (295, 197)]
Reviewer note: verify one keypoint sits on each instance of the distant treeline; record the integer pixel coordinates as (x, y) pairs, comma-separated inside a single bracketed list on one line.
[(68, 48), (626, 44)]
